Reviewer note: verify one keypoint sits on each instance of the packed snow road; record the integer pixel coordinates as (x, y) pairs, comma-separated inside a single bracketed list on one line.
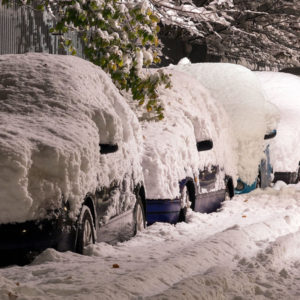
[(247, 250)]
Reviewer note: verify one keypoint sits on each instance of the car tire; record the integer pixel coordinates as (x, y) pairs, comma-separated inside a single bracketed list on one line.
[(86, 230), (183, 211), (139, 216)]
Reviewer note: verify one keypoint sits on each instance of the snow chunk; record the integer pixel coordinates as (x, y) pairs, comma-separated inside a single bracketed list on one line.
[(184, 61)]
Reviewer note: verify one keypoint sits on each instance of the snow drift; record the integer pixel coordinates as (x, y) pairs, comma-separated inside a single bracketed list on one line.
[(248, 250), (191, 115), (240, 93), (54, 112), (283, 90)]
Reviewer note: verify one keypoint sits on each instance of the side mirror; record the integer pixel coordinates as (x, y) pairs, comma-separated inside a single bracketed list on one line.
[(108, 148), (204, 145), (270, 135)]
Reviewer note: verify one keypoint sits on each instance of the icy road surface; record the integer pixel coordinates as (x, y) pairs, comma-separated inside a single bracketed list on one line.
[(250, 249)]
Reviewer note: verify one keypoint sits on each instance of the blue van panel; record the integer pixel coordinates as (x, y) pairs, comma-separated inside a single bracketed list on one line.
[(209, 202), (163, 210)]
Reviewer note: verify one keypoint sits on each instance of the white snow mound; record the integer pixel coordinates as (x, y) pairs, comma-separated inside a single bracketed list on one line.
[(191, 115), (54, 112), (283, 90), (240, 93)]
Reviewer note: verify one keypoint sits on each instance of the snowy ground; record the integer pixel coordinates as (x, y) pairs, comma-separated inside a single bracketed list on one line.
[(247, 250)]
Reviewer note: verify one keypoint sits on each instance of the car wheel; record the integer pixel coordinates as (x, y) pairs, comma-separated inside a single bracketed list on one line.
[(139, 216), (86, 230)]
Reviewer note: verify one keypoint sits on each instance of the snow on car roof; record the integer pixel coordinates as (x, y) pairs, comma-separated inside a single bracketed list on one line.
[(240, 93), (55, 110), (191, 115), (283, 90)]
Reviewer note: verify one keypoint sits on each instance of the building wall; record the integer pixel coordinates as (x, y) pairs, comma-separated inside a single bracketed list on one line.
[(23, 29)]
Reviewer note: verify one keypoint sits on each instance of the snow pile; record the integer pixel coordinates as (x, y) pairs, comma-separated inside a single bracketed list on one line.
[(55, 110), (238, 89), (283, 90), (248, 250), (171, 155)]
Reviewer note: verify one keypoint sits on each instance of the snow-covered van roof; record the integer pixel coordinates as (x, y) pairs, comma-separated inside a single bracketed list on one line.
[(240, 93), (54, 112), (283, 90), (191, 115)]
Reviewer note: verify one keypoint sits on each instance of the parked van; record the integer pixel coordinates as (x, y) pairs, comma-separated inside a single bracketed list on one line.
[(283, 90), (252, 117), (188, 159), (70, 158)]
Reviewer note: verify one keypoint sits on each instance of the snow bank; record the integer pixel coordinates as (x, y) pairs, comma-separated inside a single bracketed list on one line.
[(55, 110), (239, 91), (283, 90), (248, 250), (191, 115)]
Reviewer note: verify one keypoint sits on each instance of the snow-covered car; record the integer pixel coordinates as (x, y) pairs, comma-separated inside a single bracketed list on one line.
[(238, 90), (70, 164), (188, 159), (283, 90), (265, 170)]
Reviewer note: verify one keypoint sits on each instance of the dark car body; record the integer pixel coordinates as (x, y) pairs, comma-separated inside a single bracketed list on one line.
[(59, 231)]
